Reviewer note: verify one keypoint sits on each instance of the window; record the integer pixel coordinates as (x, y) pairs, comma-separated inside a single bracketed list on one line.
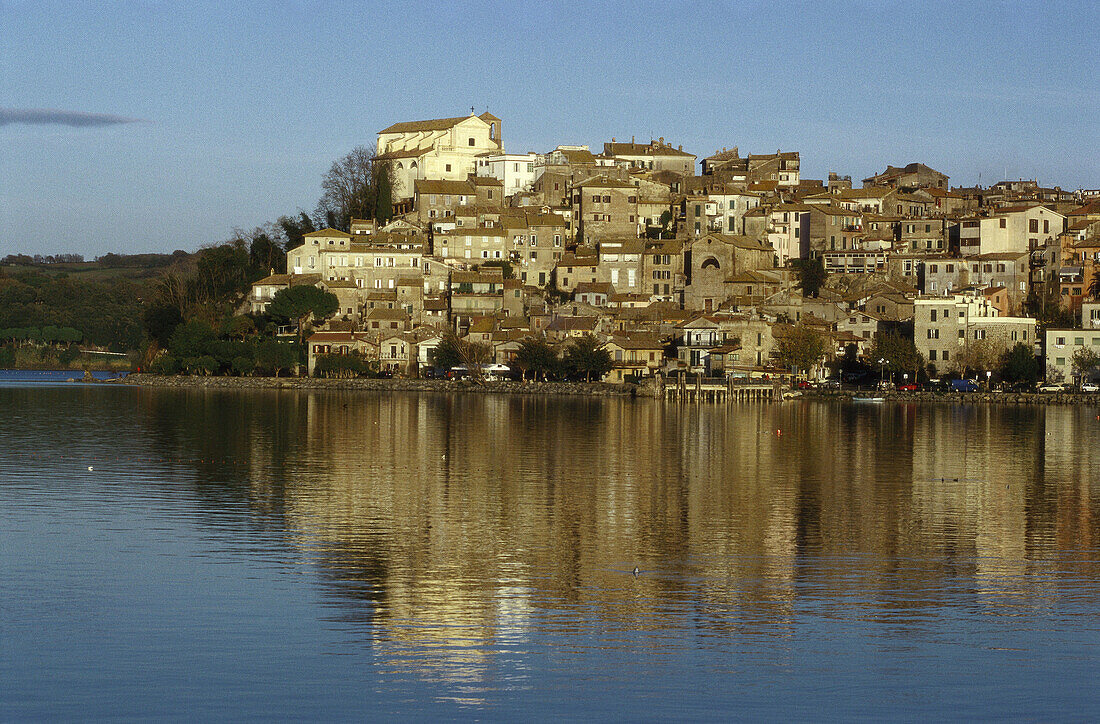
[(448, 168), (931, 355), (596, 199), (1033, 226), (1079, 341), (933, 315), (471, 143), (607, 199), (945, 355), (1060, 361), (1004, 223)]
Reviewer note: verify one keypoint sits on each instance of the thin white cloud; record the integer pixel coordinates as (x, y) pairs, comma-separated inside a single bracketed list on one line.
[(54, 117)]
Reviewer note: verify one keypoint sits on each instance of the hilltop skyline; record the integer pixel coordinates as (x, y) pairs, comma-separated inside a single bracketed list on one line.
[(180, 123)]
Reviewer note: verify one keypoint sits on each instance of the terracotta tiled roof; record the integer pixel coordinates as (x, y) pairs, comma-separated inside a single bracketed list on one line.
[(437, 124)]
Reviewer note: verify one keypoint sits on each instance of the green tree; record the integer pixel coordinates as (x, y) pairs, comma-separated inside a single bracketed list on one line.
[(343, 366), (898, 354), (1084, 361), (298, 303), (1044, 302), (222, 271), (383, 192), (239, 326), (295, 228), (446, 355), (505, 267), (455, 351), (275, 357), (1094, 285), (800, 348), (535, 355), (811, 276), (192, 340), (243, 365), (1019, 365), (587, 357), (265, 254), (160, 320)]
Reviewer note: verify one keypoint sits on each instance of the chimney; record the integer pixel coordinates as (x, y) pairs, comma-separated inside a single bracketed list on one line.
[(632, 139), (661, 140)]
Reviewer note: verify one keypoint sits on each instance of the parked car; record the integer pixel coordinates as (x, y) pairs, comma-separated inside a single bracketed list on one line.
[(1051, 387), (831, 384), (964, 386), (1090, 387), (909, 387)]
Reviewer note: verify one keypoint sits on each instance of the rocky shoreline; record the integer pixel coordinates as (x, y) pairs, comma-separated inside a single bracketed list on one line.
[(588, 389), (962, 398)]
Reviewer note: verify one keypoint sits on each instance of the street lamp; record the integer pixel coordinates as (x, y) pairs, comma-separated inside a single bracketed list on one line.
[(881, 371), (988, 374)]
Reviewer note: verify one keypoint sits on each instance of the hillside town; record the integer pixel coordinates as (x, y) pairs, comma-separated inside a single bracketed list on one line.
[(679, 265)]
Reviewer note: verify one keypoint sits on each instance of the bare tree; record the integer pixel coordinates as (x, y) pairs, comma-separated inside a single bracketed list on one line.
[(356, 186)]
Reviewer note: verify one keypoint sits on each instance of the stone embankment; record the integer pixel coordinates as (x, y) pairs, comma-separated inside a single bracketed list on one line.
[(404, 385), (959, 398)]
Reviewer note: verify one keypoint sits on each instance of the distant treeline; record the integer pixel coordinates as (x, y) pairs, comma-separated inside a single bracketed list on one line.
[(112, 261), (27, 260), (144, 261)]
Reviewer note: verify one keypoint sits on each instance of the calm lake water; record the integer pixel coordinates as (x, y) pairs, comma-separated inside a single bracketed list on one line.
[(247, 554)]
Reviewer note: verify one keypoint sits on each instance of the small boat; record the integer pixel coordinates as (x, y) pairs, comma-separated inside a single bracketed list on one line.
[(868, 399)]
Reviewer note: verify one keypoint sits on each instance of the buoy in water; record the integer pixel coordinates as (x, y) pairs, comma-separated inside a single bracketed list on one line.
[(89, 467), (635, 572)]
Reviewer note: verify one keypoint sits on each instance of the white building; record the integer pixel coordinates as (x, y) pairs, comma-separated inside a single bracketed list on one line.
[(1090, 315), (1011, 229), (1061, 346), (518, 171), (442, 149)]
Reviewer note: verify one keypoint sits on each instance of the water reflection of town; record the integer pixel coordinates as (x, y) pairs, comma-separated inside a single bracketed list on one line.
[(462, 527)]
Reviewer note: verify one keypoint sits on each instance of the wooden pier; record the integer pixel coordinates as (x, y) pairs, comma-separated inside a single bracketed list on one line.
[(700, 389)]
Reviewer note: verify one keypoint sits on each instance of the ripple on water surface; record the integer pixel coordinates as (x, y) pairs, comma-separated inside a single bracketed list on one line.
[(281, 553)]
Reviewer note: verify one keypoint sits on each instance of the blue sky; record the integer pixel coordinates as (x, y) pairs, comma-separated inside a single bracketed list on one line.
[(241, 107)]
